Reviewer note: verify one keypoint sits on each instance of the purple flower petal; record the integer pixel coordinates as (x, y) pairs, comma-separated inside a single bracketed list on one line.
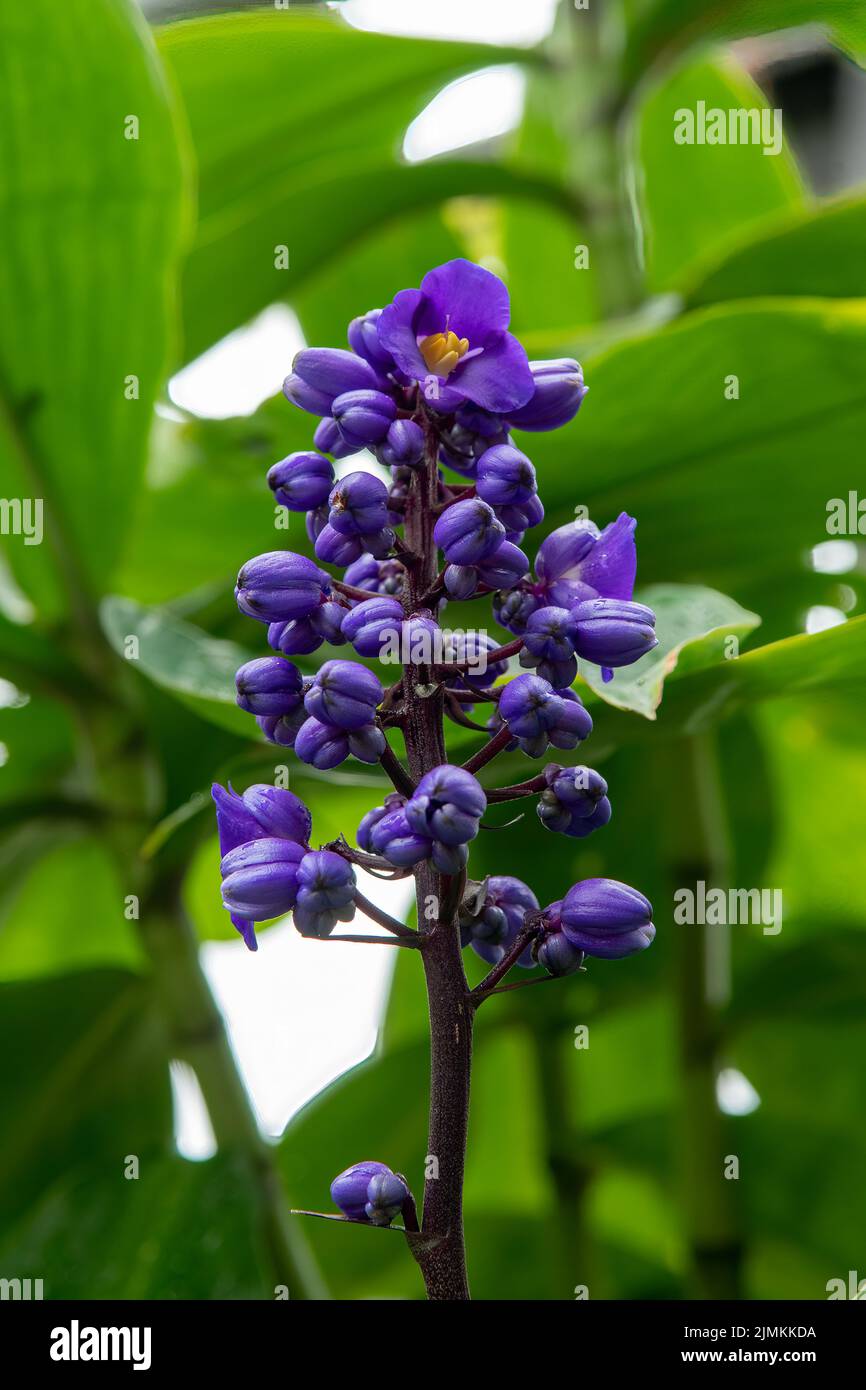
[(398, 334), (499, 378), (471, 301)]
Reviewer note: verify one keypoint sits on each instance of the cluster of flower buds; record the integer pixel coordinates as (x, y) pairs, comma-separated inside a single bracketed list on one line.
[(597, 917), (433, 386), (370, 1192), (492, 914), (436, 822), (268, 867)]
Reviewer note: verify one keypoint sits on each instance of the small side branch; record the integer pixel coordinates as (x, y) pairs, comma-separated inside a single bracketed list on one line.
[(533, 787), (532, 927), (414, 944), (496, 745), (377, 914), (397, 772)]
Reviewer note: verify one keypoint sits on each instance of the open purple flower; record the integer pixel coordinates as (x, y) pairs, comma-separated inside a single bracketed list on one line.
[(451, 336)]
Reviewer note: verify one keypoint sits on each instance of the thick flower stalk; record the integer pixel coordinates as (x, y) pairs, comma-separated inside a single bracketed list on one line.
[(432, 385)]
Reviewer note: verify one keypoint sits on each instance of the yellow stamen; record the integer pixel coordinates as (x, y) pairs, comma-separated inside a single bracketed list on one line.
[(442, 351)]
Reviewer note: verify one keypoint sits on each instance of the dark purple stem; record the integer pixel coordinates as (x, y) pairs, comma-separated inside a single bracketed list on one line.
[(497, 744), (440, 1251), (377, 914), (516, 790), (397, 772), (528, 932)]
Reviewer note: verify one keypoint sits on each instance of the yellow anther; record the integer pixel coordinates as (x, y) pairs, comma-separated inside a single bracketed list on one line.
[(442, 351)]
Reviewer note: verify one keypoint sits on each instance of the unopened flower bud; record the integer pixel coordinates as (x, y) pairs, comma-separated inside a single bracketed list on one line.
[(269, 685), (326, 893), (606, 918), (364, 417), (468, 532), (559, 391), (613, 632), (301, 481), (344, 693), (320, 375), (369, 1192), (279, 586)]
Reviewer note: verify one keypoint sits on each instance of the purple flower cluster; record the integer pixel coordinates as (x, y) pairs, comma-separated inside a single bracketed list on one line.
[(268, 868), (436, 822), (597, 917), (370, 1192), (433, 386), (492, 915)]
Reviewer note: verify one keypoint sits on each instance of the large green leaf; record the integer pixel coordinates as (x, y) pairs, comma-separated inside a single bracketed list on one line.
[(89, 235), (91, 1087), (726, 491), (205, 501), (551, 288), (694, 627), (42, 927), (289, 157), (814, 251), (830, 661), (663, 28), (180, 657), (695, 197), (178, 1230)]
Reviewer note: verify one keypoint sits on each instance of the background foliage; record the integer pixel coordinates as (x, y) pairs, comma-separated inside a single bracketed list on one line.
[(125, 258)]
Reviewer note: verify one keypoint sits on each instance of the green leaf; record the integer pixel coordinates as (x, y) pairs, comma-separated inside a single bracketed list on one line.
[(93, 1083), (664, 28), (43, 929), (831, 660), (726, 491), (807, 979), (693, 625), (811, 251), (695, 197), (288, 158), (90, 225), (181, 658), (176, 1231), (206, 502), (549, 292)]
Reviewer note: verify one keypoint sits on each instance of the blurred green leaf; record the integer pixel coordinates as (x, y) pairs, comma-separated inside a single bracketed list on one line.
[(726, 491), (824, 661), (812, 979), (286, 158), (206, 503), (810, 251), (67, 913), (693, 625), (695, 197), (93, 1083), (179, 1230), (90, 224), (550, 290), (661, 29), (180, 657)]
